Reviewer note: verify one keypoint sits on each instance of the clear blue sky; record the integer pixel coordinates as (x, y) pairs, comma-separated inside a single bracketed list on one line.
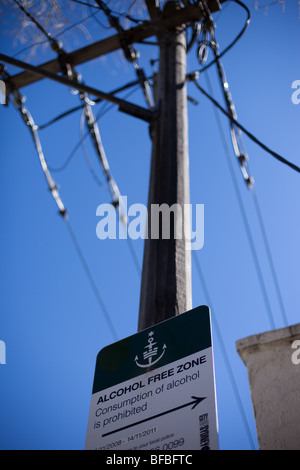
[(50, 319)]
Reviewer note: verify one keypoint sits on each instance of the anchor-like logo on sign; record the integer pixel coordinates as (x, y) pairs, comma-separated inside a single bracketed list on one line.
[(151, 351)]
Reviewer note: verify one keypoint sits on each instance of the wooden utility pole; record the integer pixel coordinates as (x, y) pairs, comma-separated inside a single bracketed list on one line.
[(166, 277)]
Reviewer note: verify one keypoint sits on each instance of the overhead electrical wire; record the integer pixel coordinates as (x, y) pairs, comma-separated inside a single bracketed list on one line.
[(109, 106), (86, 155), (245, 219), (92, 281), (193, 78), (102, 6), (239, 148), (96, 101), (130, 53), (97, 141), (202, 277), (91, 122), (95, 177), (68, 70), (59, 33), (270, 258), (208, 29), (82, 258), (33, 19), (230, 112), (95, 134), (97, 19), (236, 135), (217, 329), (239, 151), (208, 26), (18, 101), (236, 38), (105, 109)]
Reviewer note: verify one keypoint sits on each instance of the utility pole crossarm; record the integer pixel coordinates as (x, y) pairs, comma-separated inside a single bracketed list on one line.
[(112, 43), (124, 106)]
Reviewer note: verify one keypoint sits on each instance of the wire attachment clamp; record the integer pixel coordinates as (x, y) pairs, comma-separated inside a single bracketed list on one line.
[(18, 101), (208, 29)]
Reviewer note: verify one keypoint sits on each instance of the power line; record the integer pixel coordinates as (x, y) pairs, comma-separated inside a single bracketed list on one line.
[(240, 150), (95, 177), (32, 18), (93, 130), (89, 117), (236, 135), (85, 153), (18, 101), (69, 72), (224, 351), (105, 109), (79, 107), (244, 217), (130, 53), (192, 77), (91, 279), (236, 39), (59, 33), (270, 257), (209, 27), (102, 6)]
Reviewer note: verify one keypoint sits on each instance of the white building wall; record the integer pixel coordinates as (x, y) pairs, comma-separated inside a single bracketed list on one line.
[(273, 363)]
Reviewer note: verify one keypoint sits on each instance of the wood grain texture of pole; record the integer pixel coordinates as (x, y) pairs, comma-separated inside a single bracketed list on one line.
[(166, 277)]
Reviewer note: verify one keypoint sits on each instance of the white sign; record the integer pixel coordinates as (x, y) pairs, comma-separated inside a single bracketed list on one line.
[(167, 404)]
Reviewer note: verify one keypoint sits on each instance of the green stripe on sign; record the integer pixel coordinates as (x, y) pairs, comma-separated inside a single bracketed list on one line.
[(152, 348)]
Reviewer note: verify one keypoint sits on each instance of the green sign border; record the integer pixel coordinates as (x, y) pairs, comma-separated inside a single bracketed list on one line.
[(183, 335)]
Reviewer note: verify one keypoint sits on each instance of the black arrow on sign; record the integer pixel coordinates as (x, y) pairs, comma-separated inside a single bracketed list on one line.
[(194, 402)]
